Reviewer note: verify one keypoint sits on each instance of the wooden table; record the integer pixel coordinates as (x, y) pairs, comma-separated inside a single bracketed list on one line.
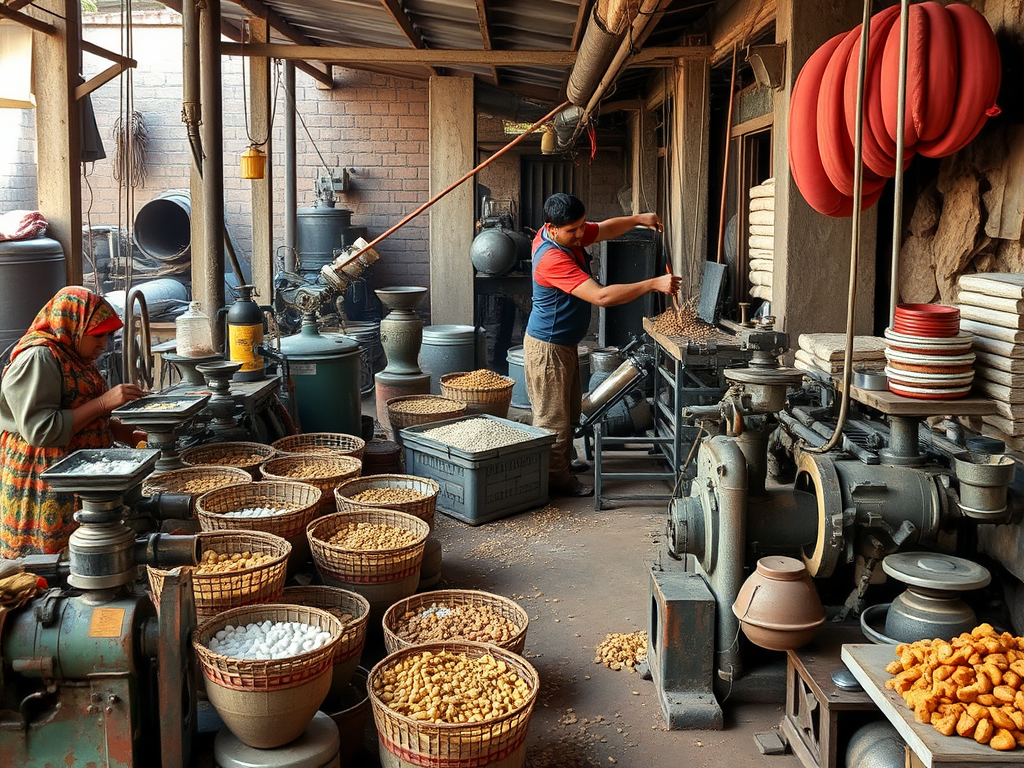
[(867, 662), (680, 346), (892, 404)]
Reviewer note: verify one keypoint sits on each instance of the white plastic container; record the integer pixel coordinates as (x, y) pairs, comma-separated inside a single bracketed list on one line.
[(192, 328)]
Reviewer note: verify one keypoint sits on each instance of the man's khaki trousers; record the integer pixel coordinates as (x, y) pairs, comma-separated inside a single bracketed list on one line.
[(553, 383)]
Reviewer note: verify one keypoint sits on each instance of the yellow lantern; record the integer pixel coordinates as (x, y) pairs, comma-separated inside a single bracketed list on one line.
[(254, 162)]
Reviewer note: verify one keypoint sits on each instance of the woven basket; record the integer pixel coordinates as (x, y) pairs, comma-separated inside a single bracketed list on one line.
[(497, 742), (453, 408), (322, 443), (225, 455), (325, 472), (195, 480), (267, 702), (450, 598), (382, 576), (423, 508), (353, 636), (217, 592), (492, 401)]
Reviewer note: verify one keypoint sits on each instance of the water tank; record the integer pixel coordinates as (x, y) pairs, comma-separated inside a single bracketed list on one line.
[(496, 251), (31, 272), (448, 349), (320, 231)]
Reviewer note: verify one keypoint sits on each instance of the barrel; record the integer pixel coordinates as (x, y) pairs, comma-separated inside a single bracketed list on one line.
[(448, 349), (163, 226), (367, 334), (325, 369), (516, 370), (31, 272)]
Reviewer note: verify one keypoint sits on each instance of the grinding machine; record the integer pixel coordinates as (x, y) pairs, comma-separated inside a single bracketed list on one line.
[(890, 485), (92, 674)]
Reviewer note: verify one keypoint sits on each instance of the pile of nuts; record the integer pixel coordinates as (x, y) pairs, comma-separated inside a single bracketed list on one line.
[(388, 495), (482, 379), (451, 688), (236, 459), (197, 485), (311, 469), (618, 650), (479, 623), (226, 562), (971, 686), (477, 435), (372, 536), (685, 323), (427, 405)]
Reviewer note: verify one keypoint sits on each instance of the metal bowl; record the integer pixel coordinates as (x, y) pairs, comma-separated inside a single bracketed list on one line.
[(868, 379)]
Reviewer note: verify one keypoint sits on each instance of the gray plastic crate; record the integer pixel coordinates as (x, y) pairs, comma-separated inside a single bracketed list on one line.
[(480, 486)]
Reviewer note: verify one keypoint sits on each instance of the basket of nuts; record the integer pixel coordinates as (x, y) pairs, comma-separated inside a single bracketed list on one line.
[(195, 480), (236, 568), (352, 610), (272, 506), (456, 614), (483, 721), (247, 456), (325, 472), (321, 444), (415, 496), (375, 552), (482, 391), (410, 410)]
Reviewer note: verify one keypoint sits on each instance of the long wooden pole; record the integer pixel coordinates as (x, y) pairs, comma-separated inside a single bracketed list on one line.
[(725, 163)]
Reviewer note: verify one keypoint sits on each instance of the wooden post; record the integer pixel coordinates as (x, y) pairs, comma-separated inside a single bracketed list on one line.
[(688, 196), (644, 166), (260, 99)]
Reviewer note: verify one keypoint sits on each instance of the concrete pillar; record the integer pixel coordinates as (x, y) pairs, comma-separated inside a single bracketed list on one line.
[(812, 251), (452, 149), (688, 198), (260, 96)]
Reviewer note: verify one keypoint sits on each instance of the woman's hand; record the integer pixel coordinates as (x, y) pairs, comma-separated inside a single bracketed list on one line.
[(118, 396)]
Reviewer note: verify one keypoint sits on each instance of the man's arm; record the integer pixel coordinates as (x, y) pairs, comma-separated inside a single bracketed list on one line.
[(613, 295), (609, 229)]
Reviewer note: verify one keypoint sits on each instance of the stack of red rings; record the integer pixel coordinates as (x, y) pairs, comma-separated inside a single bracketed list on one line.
[(927, 356)]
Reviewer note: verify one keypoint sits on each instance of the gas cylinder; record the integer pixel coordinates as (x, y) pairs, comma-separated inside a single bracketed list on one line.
[(244, 332)]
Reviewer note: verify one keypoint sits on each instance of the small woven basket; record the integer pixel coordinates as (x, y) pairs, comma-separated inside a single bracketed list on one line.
[(500, 741), (448, 408), (218, 592), (423, 508), (325, 472), (322, 443), (492, 401), (247, 456), (450, 598), (195, 480)]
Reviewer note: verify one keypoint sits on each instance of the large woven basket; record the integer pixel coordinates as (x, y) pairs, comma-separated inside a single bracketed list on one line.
[(218, 592), (325, 472), (247, 456), (492, 401), (195, 480), (496, 742), (450, 598), (267, 702), (448, 408), (423, 508), (340, 603), (322, 443), (382, 576)]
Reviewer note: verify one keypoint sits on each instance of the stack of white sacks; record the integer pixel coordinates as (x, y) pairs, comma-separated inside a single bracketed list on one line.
[(761, 239), (992, 309), (826, 351)]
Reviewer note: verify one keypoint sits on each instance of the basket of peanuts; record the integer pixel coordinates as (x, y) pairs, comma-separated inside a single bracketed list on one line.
[(195, 481), (247, 456), (482, 391), (325, 472), (971, 686), (456, 614), (416, 496), (375, 552), (235, 568), (321, 444), (481, 719), (411, 410)]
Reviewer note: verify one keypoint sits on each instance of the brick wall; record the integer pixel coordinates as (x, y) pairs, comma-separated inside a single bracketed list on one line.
[(18, 160)]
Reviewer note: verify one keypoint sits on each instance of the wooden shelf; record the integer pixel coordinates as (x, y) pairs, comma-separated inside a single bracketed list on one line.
[(892, 404)]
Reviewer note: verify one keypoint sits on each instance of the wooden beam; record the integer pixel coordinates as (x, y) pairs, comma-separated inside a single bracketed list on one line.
[(582, 14), (404, 23), (485, 32), (261, 190), (261, 11), (17, 5), (24, 19), (99, 80), (743, 21), (108, 55)]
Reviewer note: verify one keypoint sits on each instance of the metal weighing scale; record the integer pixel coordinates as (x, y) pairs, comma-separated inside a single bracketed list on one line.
[(161, 417), (319, 746)]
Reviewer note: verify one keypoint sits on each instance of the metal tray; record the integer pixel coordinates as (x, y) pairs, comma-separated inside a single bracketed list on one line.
[(160, 408), (66, 474)]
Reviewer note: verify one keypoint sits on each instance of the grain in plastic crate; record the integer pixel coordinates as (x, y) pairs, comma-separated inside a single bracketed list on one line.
[(480, 486)]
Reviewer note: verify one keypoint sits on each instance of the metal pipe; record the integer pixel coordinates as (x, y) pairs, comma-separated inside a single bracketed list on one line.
[(897, 205), (212, 278), (291, 197), (191, 84)]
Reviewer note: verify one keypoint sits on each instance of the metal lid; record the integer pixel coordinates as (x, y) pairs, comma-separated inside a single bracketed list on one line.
[(318, 746), (448, 334), (934, 570), (309, 342)]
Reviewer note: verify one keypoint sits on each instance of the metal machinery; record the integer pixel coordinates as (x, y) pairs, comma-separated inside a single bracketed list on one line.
[(92, 674), (891, 485)]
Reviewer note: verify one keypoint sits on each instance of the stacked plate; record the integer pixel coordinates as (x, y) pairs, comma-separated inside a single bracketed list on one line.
[(927, 356)]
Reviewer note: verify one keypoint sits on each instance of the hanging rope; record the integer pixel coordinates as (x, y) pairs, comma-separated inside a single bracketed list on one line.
[(245, 100), (130, 150)]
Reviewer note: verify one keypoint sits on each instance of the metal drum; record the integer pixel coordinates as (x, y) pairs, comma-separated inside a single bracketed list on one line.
[(516, 370), (31, 272), (325, 368), (319, 231), (372, 358), (448, 349)]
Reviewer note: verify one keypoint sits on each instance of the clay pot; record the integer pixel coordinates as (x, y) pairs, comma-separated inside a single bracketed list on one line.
[(778, 605)]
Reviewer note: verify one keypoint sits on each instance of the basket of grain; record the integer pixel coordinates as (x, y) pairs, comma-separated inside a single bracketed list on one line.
[(482, 391), (267, 668), (456, 614), (325, 472), (247, 456), (272, 506), (375, 552), (236, 568), (468, 728), (195, 480), (352, 610), (416, 496), (410, 410), (322, 444)]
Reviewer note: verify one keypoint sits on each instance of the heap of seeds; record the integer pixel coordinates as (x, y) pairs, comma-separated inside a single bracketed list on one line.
[(225, 562), (479, 623), (193, 487), (477, 435), (388, 495), (617, 651), (685, 323), (481, 379), (427, 405), (235, 459), (372, 536), (313, 468)]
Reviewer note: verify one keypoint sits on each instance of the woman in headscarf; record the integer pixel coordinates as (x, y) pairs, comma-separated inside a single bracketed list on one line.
[(53, 401)]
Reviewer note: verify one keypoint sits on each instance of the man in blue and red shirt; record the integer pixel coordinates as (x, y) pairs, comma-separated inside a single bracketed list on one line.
[(563, 292)]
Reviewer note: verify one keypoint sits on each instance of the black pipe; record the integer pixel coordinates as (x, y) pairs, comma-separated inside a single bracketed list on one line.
[(291, 196), (212, 278)]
